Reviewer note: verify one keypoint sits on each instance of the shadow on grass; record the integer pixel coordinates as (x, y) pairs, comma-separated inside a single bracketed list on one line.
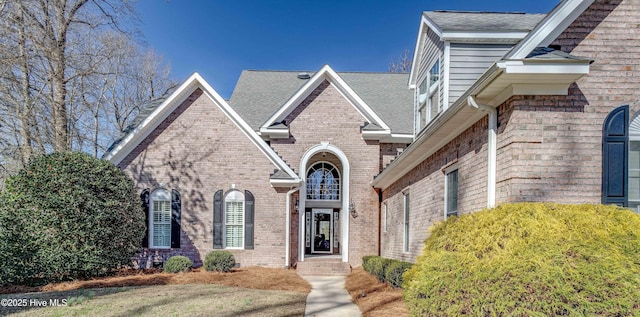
[(19, 303)]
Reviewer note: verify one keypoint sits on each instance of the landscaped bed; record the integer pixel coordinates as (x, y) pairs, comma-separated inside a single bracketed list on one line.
[(247, 291), (373, 297)]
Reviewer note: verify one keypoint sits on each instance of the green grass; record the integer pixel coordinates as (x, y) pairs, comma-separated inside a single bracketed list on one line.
[(530, 259), (166, 300)]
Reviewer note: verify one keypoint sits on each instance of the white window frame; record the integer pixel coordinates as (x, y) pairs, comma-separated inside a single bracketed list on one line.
[(234, 197), (428, 89), (164, 196), (633, 139), (447, 171), (385, 216), (406, 225), (329, 167)]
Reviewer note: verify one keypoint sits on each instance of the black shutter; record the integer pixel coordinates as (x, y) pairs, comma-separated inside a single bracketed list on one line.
[(144, 196), (249, 208), (176, 207), (217, 220), (615, 154)]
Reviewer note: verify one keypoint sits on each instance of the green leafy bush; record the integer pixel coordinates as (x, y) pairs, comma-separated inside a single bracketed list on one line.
[(367, 262), (378, 267), (67, 216), (219, 261), (530, 259), (394, 271), (177, 264)]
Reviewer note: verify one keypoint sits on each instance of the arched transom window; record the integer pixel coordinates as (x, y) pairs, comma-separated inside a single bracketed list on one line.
[(323, 182)]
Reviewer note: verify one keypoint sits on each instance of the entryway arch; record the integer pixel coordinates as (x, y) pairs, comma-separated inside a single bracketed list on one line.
[(339, 197)]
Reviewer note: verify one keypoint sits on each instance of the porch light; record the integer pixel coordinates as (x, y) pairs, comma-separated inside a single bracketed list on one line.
[(296, 207), (352, 209)]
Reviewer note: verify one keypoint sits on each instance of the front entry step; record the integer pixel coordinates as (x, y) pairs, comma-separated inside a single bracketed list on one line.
[(323, 266)]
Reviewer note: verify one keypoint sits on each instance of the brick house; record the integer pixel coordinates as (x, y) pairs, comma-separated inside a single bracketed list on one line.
[(300, 166)]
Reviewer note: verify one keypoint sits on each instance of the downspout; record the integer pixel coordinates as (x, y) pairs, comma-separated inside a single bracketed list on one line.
[(491, 148), (287, 237)]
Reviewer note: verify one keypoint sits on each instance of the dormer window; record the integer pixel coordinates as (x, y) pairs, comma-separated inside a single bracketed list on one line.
[(429, 97)]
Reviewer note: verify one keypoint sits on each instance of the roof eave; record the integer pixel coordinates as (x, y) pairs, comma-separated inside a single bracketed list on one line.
[(501, 81), (550, 27), (492, 37)]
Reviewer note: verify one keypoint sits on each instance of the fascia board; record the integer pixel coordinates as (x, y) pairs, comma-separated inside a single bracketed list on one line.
[(404, 138), (375, 135), (550, 27), (279, 183), (424, 21), (518, 67), (457, 36)]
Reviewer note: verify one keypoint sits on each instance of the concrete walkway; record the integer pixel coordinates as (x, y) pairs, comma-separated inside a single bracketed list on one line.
[(328, 297)]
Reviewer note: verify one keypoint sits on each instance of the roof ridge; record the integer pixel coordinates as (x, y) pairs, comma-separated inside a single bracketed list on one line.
[(315, 71), (485, 12)]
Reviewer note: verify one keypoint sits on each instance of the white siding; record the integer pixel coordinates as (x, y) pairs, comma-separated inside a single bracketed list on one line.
[(468, 62), (432, 49)]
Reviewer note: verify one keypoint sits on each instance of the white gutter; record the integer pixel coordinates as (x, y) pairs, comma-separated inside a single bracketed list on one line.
[(491, 149), (287, 230)]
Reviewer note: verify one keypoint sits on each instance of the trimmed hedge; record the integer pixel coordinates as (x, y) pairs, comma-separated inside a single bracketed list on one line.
[(67, 216), (530, 259), (219, 261), (385, 270), (178, 263), (393, 274)]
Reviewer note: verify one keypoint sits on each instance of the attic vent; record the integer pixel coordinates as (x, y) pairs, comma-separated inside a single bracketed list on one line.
[(303, 76)]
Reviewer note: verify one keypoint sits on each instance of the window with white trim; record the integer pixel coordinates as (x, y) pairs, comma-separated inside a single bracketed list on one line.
[(634, 173), (429, 97), (405, 206), (234, 220), (323, 182), (160, 220), (451, 193), (384, 217)]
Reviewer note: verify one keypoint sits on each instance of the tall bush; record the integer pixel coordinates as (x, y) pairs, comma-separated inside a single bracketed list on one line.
[(530, 259), (65, 216)]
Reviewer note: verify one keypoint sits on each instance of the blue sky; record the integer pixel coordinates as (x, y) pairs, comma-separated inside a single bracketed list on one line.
[(219, 39)]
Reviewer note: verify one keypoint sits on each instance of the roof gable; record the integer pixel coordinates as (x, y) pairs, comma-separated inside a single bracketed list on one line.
[(153, 116), (472, 28), (326, 73)]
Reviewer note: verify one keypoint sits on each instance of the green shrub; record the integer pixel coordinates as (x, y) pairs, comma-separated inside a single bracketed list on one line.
[(366, 262), (394, 271), (529, 259), (376, 266), (177, 264), (67, 216), (219, 261)]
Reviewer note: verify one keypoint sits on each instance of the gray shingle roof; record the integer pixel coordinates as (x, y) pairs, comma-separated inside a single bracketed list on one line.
[(259, 94), (547, 53), (484, 21)]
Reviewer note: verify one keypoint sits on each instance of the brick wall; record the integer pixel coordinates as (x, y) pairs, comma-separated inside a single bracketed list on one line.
[(326, 116), (425, 185), (198, 150), (554, 143), (549, 147)]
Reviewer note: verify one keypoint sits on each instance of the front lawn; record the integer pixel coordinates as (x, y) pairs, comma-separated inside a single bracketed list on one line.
[(253, 291)]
